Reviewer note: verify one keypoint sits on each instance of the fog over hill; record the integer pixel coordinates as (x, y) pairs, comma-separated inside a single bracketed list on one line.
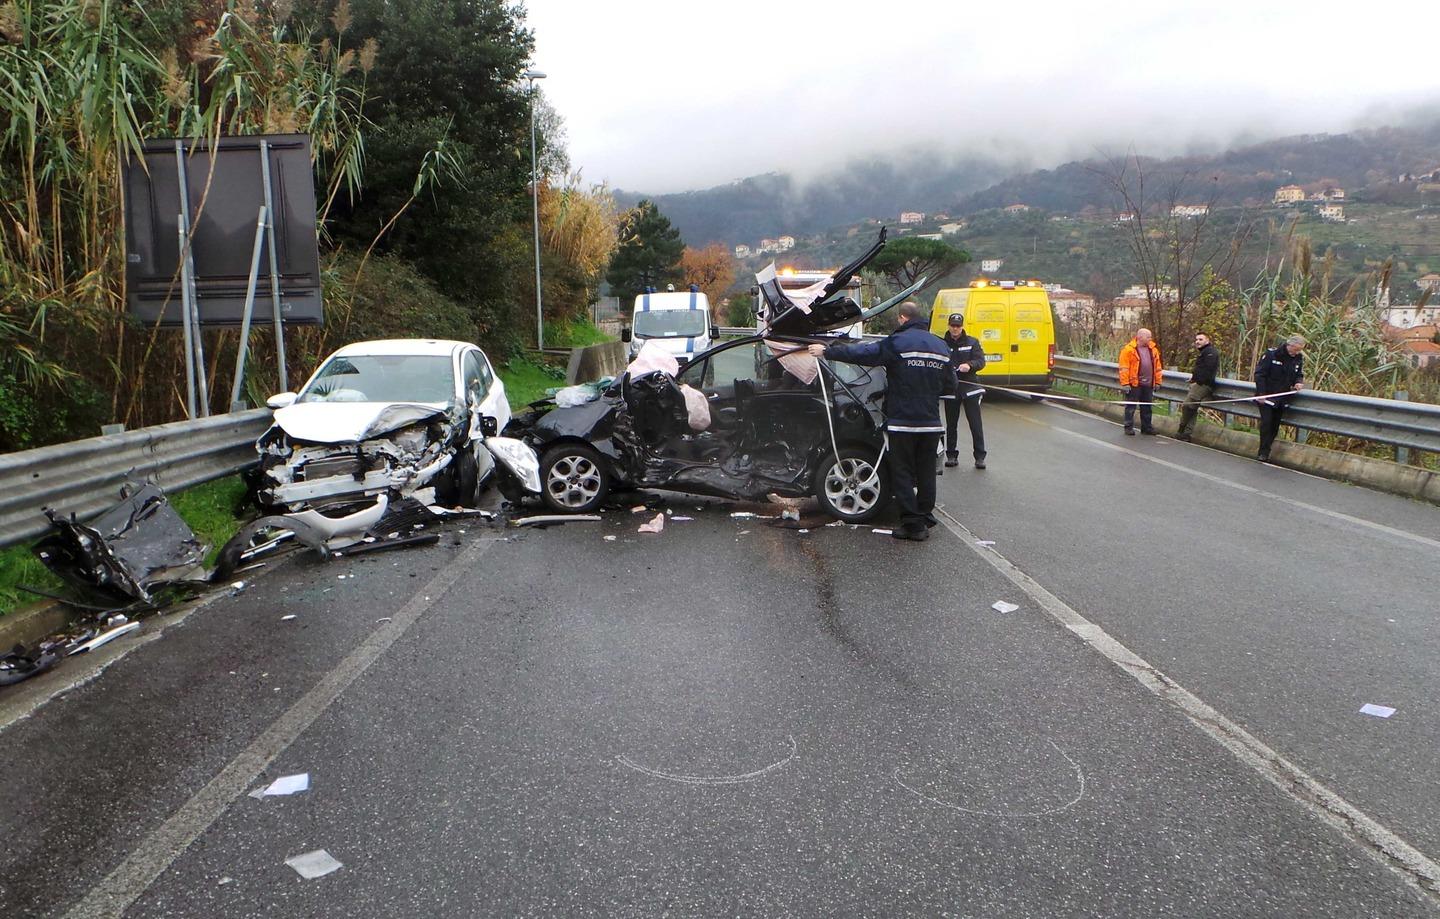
[(779, 203)]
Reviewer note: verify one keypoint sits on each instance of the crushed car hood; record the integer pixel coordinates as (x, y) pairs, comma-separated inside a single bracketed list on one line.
[(352, 422)]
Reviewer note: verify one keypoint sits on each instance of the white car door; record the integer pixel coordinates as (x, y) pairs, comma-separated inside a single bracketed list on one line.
[(480, 378)]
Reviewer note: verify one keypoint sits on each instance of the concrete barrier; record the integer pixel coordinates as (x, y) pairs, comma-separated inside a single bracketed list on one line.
[(591, 363), (1379, 474)]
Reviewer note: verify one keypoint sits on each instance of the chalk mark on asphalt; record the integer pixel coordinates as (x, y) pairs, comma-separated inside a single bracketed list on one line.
[(1417, 868), (712, 779), (123, 886), (1079, 775), (1221, 480)]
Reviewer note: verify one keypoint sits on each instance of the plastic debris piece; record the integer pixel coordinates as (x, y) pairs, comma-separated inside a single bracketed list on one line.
[(639, 508), (287, 618), (104, 638), (682, 518), (1379, 711), (383, 619), (743, 514), (224, 881), (545, 520), (789, 513), (882, 531), (984, 542), (804, 531), (742, 533), (610, 538), (1000, 606), (288, 785), (237, 588), (313, 865), (654, 526)]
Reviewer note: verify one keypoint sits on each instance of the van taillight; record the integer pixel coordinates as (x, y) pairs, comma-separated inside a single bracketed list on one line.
[(1050, 358)]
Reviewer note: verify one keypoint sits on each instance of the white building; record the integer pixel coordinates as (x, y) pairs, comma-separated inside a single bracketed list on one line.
[(950, 229), (1189, 210), (1289, 194), (784, 243), (1130, 312), (991, 264), (1071, 307), (1332, 212), (1139, 292), (742, 251), (909, 217), (1429, 282), (935, 236), (1016, 208), (1408, 317)]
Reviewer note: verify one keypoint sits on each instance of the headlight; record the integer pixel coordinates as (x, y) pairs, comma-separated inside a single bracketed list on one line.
[(519, 459)]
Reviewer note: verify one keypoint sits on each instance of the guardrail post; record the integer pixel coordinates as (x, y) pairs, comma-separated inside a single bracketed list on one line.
[(1402, 454)]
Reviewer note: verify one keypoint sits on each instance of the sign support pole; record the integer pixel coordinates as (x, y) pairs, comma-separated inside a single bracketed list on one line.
[(187, 271), (260, 224), (274, 266)]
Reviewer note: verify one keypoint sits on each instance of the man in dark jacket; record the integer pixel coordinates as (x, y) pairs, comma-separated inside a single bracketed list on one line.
[(1202, 383), (1279, 374), (967, 359), (917, 374)]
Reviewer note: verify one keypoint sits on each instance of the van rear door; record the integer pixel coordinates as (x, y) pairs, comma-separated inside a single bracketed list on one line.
[(988, 321), (1031, 335)]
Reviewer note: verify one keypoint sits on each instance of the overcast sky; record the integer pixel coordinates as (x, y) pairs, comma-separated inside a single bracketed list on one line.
[(668, 95)]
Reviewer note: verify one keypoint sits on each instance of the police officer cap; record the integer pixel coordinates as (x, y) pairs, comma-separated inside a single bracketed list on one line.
[(957, 318)]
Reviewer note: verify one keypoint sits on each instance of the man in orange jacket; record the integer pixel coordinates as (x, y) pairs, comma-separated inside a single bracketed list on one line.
[(1139, 375)]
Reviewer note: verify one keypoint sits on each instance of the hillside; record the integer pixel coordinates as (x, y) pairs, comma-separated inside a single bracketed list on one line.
[(778, 203)]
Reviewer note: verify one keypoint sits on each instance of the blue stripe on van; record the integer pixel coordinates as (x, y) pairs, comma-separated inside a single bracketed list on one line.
[(645, 303), (693, 297)]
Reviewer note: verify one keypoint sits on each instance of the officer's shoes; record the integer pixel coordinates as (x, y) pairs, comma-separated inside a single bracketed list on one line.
[(952, 460), (980, 461), (1149, 431), (1185, 437), (1129, 430), (919, 535), (1264, 456)]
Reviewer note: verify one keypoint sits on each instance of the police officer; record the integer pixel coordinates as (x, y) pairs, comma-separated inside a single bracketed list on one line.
[(917, 371), (1279, 374), (967, 359)]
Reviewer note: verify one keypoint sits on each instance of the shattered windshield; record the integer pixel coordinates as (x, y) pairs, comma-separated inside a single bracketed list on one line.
[(383, 378), (670, 324)]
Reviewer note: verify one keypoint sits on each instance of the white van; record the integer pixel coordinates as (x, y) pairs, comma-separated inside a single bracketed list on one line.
[(679, 321)]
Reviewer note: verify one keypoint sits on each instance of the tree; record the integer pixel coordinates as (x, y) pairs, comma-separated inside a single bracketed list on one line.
[(905, 261), (649, 252), (712, 269)]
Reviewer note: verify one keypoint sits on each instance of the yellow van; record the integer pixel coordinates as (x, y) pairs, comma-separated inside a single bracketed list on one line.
[(1015, 326)]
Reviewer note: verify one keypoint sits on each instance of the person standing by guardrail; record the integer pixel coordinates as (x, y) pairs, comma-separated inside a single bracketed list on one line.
[(1202, 383), (1279, 374), (1140, 370), (967, 359)]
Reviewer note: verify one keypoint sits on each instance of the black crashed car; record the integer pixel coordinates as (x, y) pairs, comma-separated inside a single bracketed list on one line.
[(768, 432)]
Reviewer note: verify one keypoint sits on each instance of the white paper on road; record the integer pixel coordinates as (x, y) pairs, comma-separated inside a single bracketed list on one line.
[(609, 538), (882, 532), (984, 542), (742, 514), (1000, 606), (313, 865), (287, 618), (289, 784), (654, 526), (1379, 711), (677, 517)]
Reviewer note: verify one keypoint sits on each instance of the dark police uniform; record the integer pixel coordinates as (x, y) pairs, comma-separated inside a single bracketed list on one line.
[(1276, 374), (917, 374), (1202, 387), (965, 350)]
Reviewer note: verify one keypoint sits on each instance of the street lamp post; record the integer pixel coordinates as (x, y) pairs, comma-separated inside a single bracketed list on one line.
[(532, 76)]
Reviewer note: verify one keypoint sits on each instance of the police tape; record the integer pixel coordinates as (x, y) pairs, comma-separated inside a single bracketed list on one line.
[(1263, 398)]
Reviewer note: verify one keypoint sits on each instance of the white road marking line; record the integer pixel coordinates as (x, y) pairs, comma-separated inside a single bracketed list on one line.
[(1393, 851), (123, 886), (1249, 489)]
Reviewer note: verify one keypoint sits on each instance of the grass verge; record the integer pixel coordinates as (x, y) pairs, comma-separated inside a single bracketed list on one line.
[(210, 510), (526, 381)]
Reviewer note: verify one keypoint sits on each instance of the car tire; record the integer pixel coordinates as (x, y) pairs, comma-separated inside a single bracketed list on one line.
[(851, 487), (459, 485), (573, 479)]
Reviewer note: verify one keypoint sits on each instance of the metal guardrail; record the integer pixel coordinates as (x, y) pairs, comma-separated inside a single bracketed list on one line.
[(84, 477), (1411, 425)]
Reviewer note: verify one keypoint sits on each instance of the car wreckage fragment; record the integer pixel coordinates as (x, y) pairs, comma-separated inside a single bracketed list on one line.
[(139, 545)]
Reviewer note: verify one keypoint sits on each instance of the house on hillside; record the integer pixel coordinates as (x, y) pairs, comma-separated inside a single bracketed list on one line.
[(1289, 194), (935, 236), (1401, 320), (1420, 354), (910, 217), (1140, 292), (1016, 208), (1332, 212), (1335, 194), (1430, 282), (991, 265), (950, 229), (742, 251), (784, 244), (1129, 313), (1189, 210), (767, 245), (1071, 307)]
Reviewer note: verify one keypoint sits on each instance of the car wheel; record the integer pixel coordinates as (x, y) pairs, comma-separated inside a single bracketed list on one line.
[(851, 487), (459, 485), (573, 479)]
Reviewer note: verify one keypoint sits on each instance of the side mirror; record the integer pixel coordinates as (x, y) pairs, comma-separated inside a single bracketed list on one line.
[(281, 399), (714, 332), (625, 334), (489, 425)]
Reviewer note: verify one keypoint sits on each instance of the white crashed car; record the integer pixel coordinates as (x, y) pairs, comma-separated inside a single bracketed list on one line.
[(382, 421)]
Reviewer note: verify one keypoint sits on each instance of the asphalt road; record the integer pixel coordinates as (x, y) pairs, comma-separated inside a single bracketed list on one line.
[(732, 718)]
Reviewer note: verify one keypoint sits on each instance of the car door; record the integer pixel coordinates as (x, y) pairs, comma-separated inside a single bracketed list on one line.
[(483, 388)]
